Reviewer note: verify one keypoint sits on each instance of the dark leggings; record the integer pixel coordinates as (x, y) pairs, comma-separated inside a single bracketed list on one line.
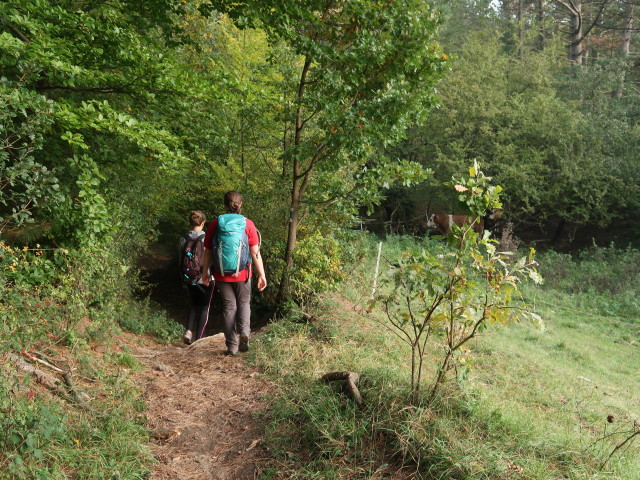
[(199, 303)]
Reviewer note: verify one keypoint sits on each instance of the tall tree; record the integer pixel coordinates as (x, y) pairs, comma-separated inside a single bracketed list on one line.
[(366, 72), (101, 68), (625, 46), (553, 159)]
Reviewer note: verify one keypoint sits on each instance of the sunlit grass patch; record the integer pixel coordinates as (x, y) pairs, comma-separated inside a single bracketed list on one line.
[(538, 404)]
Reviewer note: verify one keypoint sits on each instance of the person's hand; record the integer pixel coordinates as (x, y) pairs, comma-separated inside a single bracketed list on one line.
[(206, 280), (262, 283)]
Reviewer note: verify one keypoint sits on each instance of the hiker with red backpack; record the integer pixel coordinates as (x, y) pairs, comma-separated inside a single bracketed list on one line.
[(232, 250), (192, 252)]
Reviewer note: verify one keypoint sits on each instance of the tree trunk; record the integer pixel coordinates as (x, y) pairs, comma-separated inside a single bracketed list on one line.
[(576, 46), (299, 184), (541, 33), (625, 48), (519, 18), (294, 221)]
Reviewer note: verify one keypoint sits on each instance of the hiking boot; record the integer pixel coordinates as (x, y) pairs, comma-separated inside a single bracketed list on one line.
[(187, 337), (244, 343), (229, 353)]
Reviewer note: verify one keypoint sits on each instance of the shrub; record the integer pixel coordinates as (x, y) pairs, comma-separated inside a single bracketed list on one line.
[(457, 293)]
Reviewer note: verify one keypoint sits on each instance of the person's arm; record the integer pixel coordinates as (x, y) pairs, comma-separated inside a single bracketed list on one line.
[(257, 261), (206, 278)]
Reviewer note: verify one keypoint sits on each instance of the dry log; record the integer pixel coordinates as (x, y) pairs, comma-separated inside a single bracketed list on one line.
[(49, 381), (351, 379)]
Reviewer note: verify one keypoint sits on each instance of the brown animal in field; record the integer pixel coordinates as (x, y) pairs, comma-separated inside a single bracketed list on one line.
[(443, 223)]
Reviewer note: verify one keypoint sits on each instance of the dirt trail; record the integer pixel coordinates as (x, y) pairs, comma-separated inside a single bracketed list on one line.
[(206, 409)]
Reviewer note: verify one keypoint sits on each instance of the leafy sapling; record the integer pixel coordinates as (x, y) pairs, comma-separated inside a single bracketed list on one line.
[(455, 294)]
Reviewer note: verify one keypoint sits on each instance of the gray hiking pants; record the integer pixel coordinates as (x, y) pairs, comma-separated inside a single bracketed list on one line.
[(236, 311)]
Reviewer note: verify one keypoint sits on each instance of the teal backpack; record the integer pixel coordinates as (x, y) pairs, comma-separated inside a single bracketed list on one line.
[(230, 245)]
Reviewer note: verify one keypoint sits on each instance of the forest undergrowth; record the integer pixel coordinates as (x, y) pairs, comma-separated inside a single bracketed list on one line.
[(69, 407)]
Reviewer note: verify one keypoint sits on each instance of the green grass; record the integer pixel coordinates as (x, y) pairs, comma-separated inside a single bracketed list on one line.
[(534, 406), (74, 317), (46, 437)]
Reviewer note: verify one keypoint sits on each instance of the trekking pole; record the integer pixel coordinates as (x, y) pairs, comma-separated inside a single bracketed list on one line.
[(375, 277)]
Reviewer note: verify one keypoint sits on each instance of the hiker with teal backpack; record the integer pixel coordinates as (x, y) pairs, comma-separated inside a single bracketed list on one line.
[(232, 250), (191, 248)]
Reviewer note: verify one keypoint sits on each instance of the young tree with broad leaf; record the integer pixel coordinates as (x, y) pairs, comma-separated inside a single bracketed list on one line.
[(366, 71), (455, 294)]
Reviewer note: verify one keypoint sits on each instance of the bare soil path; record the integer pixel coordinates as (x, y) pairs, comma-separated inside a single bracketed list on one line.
[(206, 410)]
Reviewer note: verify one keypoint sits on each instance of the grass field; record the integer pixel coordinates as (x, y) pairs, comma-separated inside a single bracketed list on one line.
[(537, 404)]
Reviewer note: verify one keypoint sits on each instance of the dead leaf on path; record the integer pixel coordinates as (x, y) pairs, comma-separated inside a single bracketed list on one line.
[(164, 434), (253, 444)]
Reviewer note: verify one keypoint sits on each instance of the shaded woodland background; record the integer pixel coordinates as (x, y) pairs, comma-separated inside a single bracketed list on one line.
[(119, 118)]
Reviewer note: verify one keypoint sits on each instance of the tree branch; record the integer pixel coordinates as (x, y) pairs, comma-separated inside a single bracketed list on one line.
[(595, 20), (16, 32)]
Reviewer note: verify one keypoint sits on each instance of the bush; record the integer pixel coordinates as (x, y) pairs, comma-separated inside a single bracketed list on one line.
[(66, 301), (322, 262)]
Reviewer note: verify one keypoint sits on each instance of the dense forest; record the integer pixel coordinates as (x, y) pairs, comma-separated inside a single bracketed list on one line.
[(117, 118), (122, 117)]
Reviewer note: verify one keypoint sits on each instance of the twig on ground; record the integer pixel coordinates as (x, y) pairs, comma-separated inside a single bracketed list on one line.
[(253, 444), (619, 446), (44, 362), (49, 381)]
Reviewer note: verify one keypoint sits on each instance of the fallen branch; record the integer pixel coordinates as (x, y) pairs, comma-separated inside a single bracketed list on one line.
[(628, 440), (44, 362), (351, 378), (50, 382)]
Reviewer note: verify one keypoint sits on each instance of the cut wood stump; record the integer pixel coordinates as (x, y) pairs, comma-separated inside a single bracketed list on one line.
[(351, 380)]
